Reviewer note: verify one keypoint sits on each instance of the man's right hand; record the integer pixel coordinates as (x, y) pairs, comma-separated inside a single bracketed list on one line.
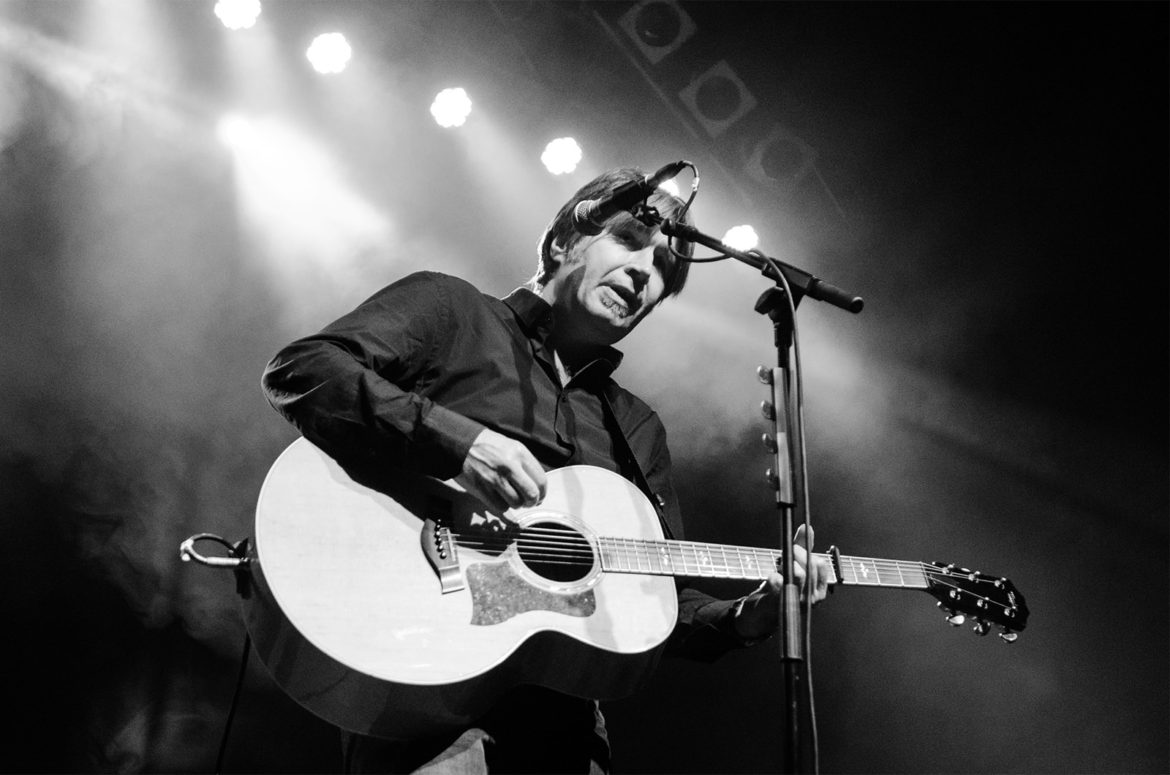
[(502, 473)]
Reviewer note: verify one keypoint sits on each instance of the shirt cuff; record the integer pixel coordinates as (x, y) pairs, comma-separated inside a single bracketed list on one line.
[(450, 434), (731, 630)]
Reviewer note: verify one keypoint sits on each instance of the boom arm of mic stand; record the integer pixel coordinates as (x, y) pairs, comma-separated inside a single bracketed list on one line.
[(799, 280)]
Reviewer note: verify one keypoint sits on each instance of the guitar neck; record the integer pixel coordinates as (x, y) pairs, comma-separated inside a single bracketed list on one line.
[(699, 560)]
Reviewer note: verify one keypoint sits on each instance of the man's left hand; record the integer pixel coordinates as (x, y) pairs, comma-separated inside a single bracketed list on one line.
[(760, 614)]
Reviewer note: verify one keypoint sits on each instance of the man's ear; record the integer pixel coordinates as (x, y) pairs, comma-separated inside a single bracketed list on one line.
[(557, 254)]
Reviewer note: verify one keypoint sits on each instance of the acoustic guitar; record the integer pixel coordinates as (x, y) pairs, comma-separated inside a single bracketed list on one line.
[(409, 609)]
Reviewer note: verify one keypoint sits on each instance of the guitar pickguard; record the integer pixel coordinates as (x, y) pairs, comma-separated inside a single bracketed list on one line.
[(498, 594)]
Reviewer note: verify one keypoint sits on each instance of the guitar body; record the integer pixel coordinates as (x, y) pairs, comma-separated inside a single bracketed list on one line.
[(371, 619)]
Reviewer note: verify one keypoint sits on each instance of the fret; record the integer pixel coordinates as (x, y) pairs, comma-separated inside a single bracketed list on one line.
[(739, 554), (632, 555), (917, 575), (651, 556), (737, 571), (864, 571), (702, 561), (680, 563), (774, 559), (624, 553), (832, 570), (683, 565), (751, 570), (773, 564), (638, 558), (664, 563)]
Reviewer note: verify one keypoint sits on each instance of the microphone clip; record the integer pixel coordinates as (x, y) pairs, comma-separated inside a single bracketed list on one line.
[(648, 215)]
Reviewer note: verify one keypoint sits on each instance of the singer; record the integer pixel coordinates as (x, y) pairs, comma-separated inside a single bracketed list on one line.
[(431, 375)]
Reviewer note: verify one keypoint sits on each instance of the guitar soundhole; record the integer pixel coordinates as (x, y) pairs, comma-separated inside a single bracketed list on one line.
[(555, 552)]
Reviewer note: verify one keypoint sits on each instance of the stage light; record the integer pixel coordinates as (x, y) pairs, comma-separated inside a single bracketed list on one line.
[(237, 14), (718, 98), (451, 107), (670, 187), (741, 238), (780, 160), (657, 27), (329, 53), (234, 131), (561, 155)]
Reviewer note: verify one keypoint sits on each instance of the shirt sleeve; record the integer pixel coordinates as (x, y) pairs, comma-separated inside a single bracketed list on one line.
[(350, 388)]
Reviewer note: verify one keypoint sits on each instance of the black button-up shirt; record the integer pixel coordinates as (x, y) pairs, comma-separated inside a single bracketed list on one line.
[(418, 370)]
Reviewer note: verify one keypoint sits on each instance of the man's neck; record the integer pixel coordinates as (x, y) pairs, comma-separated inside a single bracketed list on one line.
[(571, 351), (571, 357)]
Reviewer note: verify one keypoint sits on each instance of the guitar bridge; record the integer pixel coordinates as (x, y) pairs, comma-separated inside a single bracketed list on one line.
[(439, 548)]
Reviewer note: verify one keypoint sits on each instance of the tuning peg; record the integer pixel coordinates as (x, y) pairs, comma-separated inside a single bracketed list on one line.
[(768, 410), (953, 619), (772, 479), (981, 627), (769, 443), (764, 374), (1007, 636)]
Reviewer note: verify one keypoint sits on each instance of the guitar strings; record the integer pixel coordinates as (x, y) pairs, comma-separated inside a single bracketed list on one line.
[(557, 536), (565, 546)]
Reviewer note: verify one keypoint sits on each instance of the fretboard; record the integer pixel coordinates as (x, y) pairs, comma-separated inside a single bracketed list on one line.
[(700, 560)]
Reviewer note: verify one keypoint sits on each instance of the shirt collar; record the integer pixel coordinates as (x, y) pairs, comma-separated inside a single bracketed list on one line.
[(536, 316)]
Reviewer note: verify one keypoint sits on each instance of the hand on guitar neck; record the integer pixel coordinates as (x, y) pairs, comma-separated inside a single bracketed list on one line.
[(759, 614)]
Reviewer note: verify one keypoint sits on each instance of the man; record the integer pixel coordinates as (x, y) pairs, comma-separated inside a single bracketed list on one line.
[(431, 375)]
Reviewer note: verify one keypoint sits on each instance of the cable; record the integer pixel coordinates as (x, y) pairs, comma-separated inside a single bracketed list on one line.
[(227, 728), (806, 604), (237, 561), (671, 240)]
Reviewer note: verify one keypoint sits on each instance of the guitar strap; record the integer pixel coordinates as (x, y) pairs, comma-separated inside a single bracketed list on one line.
[(628, 463)]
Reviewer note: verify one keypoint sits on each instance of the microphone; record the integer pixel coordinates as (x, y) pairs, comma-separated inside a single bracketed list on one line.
[(590, 215)]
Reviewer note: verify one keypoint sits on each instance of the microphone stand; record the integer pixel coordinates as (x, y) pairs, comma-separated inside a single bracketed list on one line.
[(787, 442)]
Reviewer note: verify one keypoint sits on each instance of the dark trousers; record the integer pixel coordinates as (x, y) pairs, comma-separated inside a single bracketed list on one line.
[(534, 730)]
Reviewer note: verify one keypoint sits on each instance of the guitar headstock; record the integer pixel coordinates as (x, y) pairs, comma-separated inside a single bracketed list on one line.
[(988, 599)]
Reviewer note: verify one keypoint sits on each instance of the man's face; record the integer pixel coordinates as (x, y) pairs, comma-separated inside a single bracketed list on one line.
[(607, 284)]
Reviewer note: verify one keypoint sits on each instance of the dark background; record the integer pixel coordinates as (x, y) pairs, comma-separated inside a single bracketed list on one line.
[(990, 177)]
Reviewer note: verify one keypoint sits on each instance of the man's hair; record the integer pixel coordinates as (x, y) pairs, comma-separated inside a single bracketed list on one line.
[(561, 231)]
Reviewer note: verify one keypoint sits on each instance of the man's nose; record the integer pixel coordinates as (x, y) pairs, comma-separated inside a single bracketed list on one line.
[(640, 265)]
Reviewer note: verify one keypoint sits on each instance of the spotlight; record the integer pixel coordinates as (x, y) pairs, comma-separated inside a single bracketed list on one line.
[(234, 131), (561, 155), (781, 159), (237, 14), (451, 107), (741, 237), (657, 27), (718, 98), (329, 53)]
